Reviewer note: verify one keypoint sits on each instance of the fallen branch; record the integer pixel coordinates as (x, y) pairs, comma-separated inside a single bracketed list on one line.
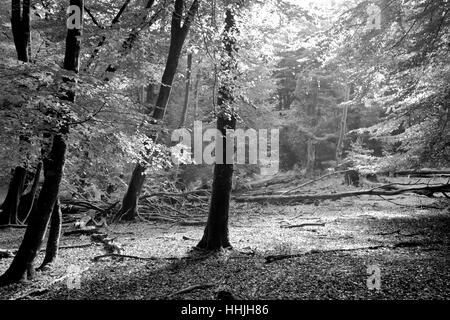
[(303, 225), (171, 194), (192, 288), (315, 180), (273, 258), (85, 204), (13, 226), (116, 255), (89, 231), (428, 191)]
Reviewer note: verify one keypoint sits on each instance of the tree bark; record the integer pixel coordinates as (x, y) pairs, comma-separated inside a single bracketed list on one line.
[(215, 236), (187, 91), (51, 252), (20, 25), (9, 213), (129, 210), (34, 235), (27, 201)]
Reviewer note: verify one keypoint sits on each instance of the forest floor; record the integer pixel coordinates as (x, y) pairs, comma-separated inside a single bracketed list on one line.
[(413, 259)]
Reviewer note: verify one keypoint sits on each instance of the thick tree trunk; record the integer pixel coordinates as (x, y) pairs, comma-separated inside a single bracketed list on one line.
[(34, 235), (27, 201), (51, 251), (179, 32), (215, 236), (129, 208), (9, 213), (187, 91), (20, 25)]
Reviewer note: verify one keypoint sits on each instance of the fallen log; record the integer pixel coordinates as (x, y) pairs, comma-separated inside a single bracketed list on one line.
[(420, 173), (427, 191), (303, 225), (172, 194)]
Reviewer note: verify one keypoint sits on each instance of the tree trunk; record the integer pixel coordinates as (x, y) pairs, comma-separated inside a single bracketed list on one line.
[(187, 91), (129, 208), (215, 235), (51, 251), (343, 127), (197, 82), (177, 38), (9, 213), (34, 235), (311, 154), (27, 201), (20, 25)]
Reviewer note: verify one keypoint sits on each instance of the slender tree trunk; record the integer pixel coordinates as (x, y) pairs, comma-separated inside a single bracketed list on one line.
[(311, 153), (343, 127), (10, 206), (20, 24), (187, 91), (34, 235), (196, 94), (178, 36), (27, 201), (215, 236), (51, 252)]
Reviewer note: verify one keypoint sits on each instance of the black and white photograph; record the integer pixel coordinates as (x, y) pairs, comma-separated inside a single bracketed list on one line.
[(224, 158)]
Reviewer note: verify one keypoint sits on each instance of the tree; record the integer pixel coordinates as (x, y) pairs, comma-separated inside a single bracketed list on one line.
[(53, 163), (179, 31), (215, 235), (20, 25)]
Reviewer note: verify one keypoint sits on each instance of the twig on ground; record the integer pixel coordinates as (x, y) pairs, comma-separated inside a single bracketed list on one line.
[(192, 288)]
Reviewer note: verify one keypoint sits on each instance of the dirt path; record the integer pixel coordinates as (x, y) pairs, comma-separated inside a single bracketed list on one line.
[(418, 272)]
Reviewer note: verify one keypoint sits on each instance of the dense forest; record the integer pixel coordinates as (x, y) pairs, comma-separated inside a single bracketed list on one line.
[(168, 149)]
